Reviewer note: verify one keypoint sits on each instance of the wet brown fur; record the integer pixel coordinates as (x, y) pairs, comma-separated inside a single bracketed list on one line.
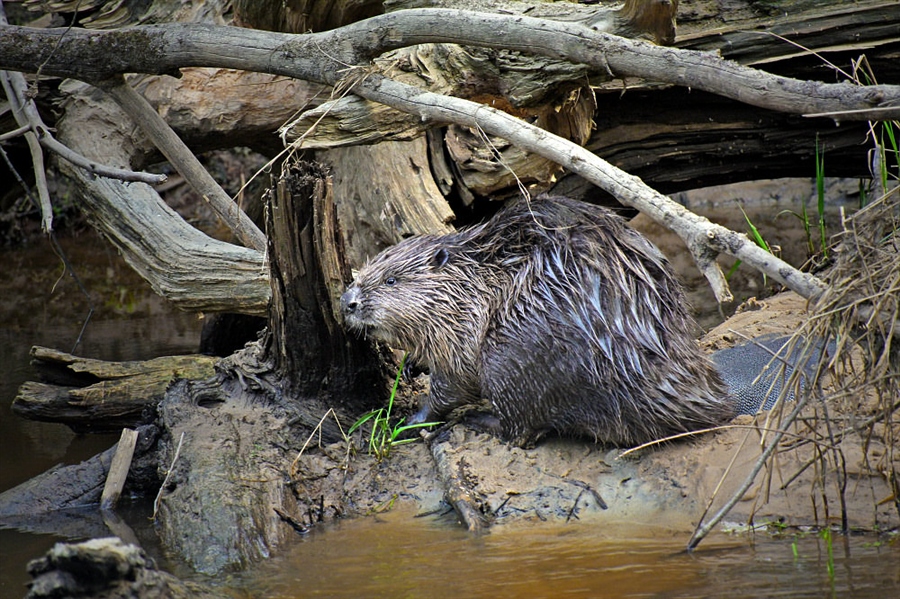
[(557, 314)]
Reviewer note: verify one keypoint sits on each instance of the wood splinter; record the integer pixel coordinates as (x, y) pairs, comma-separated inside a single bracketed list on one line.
[(118, 469)]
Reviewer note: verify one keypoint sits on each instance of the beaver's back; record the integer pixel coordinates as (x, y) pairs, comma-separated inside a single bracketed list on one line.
[(572, 323)]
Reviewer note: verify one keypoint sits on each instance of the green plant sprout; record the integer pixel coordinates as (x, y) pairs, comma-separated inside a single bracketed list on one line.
[(825, 535), (820, 195), (384, 436), (758, 239), (820, 208), (885, 150)]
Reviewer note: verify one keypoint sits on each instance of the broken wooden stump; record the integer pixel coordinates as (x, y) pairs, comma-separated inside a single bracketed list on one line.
[(76, 486)]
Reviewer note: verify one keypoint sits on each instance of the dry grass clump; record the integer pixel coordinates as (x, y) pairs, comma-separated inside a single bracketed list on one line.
[(844, 426), (859, 314)]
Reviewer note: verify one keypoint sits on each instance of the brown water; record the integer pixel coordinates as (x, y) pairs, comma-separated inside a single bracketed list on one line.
[(401, 556), (41, 306), (394, 555)]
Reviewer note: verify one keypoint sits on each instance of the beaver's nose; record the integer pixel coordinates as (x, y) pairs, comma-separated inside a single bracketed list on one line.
[(350, 300)]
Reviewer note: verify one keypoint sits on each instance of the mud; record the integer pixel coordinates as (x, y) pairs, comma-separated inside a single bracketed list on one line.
[(563, 480)]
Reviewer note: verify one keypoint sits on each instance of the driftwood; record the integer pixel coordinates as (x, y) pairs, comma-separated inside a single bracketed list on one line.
[(73, 492), (577, 43), (118, 469), (99, 396), (183, 159), (108, 568), (182, 264)]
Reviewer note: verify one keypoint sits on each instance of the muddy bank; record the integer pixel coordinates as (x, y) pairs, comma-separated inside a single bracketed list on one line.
[(245, 478), (672, 484)]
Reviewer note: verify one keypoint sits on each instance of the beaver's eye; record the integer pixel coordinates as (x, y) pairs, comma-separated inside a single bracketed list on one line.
[(390, 281)]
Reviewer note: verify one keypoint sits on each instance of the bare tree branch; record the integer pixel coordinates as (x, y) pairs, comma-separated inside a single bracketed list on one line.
[(37, 134), (26, 114), (323, 57), (181, 157), (696, 230), (329, 56)]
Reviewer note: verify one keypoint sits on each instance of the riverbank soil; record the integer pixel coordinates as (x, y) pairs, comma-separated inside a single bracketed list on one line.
[(672, 484), (216, 517)]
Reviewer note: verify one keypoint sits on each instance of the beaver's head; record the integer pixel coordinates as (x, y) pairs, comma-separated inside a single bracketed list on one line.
[(417, 296)]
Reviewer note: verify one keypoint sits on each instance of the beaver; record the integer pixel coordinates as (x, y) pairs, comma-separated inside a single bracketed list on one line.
[(555, 315)]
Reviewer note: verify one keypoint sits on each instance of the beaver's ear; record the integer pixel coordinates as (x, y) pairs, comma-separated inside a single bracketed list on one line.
[(440, 258)]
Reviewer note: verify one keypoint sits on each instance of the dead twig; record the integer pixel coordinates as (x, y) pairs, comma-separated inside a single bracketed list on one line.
[(184, 161), (37, 134), (165, 481)]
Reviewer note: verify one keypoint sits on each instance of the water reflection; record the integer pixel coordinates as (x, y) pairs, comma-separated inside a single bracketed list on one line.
[(41, 306)]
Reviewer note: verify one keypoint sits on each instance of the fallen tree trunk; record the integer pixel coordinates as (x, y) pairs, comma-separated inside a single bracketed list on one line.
[(181, 263), (99, 396)]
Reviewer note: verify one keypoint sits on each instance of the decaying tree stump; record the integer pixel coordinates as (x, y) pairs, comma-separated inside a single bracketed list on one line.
[(309, 273), (267, 399)]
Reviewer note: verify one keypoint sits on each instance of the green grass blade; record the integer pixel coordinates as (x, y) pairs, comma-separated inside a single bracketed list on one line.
[(820, 194), (362, 420)]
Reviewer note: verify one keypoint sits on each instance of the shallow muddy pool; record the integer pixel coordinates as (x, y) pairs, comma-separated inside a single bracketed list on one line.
[(394, 554), (401, 556), (39, 305)]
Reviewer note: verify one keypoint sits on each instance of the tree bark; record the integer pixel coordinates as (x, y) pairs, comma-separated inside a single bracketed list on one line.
[(182, 264), (310, 271), (99, 396)]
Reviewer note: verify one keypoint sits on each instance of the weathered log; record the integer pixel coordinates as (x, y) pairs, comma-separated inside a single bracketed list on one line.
[(76, 486), (623, 58), (108, 568), (210, 108), (182, 264), (180, 157), (384, 193), (655, 135), (100, 396), (60, 488)]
